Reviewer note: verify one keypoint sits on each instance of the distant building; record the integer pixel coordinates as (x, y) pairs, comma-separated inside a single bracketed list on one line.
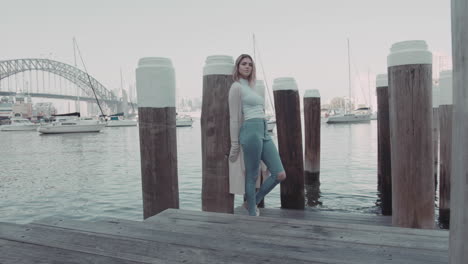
[(46, 109), (6, 107), (21, 107)]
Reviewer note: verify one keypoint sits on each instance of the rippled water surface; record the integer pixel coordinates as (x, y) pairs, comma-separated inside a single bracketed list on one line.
[(86, 176)]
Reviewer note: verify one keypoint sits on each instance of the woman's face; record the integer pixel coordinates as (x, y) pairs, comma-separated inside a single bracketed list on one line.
[(245, 67)]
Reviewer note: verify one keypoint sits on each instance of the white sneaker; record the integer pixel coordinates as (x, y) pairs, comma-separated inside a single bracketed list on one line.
[(257, 211)]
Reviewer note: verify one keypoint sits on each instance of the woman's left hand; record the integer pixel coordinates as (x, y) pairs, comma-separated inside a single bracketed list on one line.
[(234, 153)]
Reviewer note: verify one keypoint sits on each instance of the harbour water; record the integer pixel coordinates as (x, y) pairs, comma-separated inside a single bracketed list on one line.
[(87, 176)]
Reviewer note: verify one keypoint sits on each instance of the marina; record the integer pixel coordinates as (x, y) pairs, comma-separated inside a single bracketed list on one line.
[(209, 149), (106, 168)]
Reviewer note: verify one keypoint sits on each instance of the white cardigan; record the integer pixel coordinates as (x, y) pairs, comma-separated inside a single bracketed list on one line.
[(237, 168)]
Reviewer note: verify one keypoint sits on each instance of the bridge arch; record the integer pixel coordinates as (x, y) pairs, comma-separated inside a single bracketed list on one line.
[(69, 72)]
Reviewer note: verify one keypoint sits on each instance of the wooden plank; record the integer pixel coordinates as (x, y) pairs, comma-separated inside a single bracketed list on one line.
[(251, 231), (332, 232), (283, 221), (214, 250), (113, 245), (15, 252), (325, 216), (273, 248)]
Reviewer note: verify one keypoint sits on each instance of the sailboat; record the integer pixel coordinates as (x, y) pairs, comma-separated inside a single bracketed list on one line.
[(183, 120), (72, 122), (357, 116)]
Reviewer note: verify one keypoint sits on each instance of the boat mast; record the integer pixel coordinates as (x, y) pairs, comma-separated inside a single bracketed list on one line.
[(369, 89), (89, 79), (349, 81), (263, 72), (74, 76), (122, 89)]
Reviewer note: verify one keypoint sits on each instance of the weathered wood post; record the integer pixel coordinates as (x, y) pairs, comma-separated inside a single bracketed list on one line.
[(458, 249), (410, 106), (312, 147), (215, 139), (155, 83), (288, 127), (435, 130), (384, 169), (445, 123)]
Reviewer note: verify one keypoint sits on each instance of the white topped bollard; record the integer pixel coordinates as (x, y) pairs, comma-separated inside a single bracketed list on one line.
[(410, 105), (215, 135), (288, 127), (458, 249), (445, 126), (312, 147), (155, 83), (384, 168)]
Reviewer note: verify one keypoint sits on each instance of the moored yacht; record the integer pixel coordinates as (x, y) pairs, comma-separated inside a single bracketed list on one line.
[(349, 118), (118, 120), (71, 123), (184, 121), (19, 124)]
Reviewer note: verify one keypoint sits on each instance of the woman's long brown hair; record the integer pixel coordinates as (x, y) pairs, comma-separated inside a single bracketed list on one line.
[(253, 75)]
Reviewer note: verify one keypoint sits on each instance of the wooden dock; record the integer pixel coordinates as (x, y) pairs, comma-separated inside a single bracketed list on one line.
[(181, 236)]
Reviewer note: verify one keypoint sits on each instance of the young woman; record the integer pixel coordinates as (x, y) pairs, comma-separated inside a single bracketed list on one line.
[(250, 141)]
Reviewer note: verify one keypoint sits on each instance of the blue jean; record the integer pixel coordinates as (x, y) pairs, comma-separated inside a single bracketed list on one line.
[(257, 145)]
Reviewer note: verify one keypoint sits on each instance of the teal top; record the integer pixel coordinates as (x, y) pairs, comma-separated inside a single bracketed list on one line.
[(253, 104)]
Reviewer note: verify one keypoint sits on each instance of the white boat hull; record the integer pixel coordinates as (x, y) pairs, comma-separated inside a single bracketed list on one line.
[(121, 123), (343, 119), (60, 129), (184, 123), (19, 128)]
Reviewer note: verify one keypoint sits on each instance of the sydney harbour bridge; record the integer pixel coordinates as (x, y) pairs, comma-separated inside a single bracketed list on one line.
[(47, 78)]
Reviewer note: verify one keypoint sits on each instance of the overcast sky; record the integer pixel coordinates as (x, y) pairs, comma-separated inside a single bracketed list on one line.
[(304, 39)]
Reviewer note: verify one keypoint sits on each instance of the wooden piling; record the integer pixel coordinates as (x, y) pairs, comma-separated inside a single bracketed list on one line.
[(445, 122), (410, 112), (458, 249), (435, 131), (312, 147), (384, 169), (215, 139), (435, 143), (288, 127), (155, 82)]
